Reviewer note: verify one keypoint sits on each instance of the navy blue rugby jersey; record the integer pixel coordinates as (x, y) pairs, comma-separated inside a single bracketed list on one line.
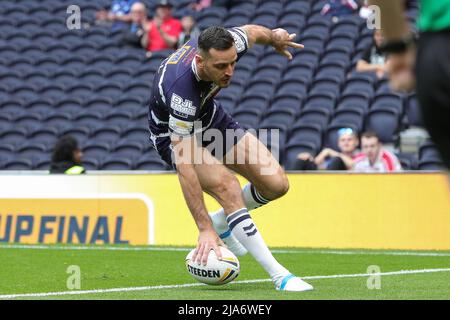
[(179, 97)]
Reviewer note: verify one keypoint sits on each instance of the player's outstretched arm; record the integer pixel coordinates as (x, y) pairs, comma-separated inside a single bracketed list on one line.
[(279, 38), (184, 150)]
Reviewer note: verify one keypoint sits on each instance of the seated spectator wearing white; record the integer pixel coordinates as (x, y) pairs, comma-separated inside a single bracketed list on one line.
[(190, 30), (118, 14), (338, 8), (373, 60), (163, 31), (374, 158), (330, 159), (139, 25)]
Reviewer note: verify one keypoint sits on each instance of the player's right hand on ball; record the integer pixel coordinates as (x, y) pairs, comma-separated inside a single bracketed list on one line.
[(207, 240)]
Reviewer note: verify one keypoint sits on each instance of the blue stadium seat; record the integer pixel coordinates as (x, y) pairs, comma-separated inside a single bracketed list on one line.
[(58, 119), (293, 85), (413, 111), (47, 134), (387, 101), (429, 152), (17, 164), (96, 149), (278, 117), (316, 115), (27, 118), (106, 133), (128, 147), (91, 163), (289, 100), (330, 84), (137, 133), (251, 101), (307, 132), (13, 135), (261, 84), (150, 161), (322, 100), (299, 70), (115, 162), (354, 101), (138, 88), (247, 118), (31, 149), (79, 133), (355, 117), (385, 122)]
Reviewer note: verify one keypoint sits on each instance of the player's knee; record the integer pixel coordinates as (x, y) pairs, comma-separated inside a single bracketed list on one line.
[(228, 189), (278, 188)]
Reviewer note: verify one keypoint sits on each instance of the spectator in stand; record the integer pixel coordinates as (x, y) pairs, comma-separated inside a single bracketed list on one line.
[(338, 8), (164, 30), (139, 25), (190, 30), (330, 159), (67, 157), (119, 14), (199, 5), (373, 60), (374, 158)]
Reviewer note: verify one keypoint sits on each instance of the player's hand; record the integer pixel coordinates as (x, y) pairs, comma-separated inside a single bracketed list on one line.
[(401, 70), (207, 240), (282, 40)]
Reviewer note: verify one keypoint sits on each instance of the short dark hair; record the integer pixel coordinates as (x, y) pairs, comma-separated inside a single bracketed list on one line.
[(370, 134), (216, 38), (64, 149)]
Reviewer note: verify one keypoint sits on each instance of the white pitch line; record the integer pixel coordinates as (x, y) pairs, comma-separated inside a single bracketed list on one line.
[(188, 285), (185, 249)]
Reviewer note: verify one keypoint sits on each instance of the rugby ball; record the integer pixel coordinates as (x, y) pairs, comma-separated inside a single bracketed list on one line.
[(215, 272)]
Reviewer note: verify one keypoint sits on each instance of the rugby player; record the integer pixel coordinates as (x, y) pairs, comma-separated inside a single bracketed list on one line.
[(182, 97)]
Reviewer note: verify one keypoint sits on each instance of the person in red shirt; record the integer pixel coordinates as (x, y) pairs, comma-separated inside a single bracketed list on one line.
[(163, 31)]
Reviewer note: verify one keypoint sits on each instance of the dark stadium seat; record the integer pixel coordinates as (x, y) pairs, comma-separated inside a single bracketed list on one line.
[(322, 100), (31, 149), (150, 161), (248, 118), (385, 122), (17, 164), (355, 117), (115, 162), (280, 116), (307, 132), (431, 165), (257, 102), (129, 147), (413, 111), (317, 115), (387, 100), (96, 149), (106, 133), (428, 152), (354, 101)]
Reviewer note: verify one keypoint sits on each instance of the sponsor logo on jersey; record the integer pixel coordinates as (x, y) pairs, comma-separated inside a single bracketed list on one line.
[(182, 108)]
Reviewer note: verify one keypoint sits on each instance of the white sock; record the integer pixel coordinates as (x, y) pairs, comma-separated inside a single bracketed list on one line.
[(252, 200), (244, 229)]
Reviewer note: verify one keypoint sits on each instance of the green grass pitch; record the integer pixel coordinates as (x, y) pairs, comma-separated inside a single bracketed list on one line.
[(135, 273)]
